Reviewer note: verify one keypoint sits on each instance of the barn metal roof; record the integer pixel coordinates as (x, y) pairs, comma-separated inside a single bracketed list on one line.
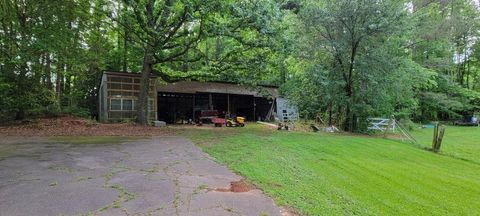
[(192, 87), (128, 74), (217, 87)]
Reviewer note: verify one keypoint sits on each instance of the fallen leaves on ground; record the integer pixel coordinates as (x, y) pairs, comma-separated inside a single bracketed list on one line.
[(72, 126)]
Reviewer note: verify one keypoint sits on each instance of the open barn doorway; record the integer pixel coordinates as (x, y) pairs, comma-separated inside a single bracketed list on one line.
[(175, 107), (180, 108)]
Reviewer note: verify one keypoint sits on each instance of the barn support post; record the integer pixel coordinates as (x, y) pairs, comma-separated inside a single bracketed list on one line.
[(228, 104), (210, 102), (175, 112), (155, 103), (254, 109), (193, 107)]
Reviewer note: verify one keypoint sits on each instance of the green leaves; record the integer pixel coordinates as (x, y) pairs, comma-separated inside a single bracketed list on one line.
[(351, 59), (356, 43), (377, 58)]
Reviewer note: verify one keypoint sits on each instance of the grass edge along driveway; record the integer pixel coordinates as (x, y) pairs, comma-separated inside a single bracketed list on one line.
[(321, 174)]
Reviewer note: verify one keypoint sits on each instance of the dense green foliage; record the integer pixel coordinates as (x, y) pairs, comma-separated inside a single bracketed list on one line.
[(341, 60), (177, 36), (53, 54), (322, 174), (412, 59)]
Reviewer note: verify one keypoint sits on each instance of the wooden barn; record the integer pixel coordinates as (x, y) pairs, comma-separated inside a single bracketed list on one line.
[(186, 99), (183, 101), (118, 97)]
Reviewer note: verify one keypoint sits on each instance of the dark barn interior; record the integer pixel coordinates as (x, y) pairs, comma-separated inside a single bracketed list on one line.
[(180, 107), (183, 101)]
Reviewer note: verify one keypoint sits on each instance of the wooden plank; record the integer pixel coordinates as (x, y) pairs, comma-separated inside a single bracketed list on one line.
[(435, 136), (440, 138)]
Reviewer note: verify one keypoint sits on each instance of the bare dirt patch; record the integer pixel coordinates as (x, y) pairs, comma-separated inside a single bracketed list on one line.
[(237, 187), (72, 126)]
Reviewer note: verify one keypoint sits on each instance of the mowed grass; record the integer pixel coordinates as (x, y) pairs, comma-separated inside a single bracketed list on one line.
[(459, 142), (321, 174)]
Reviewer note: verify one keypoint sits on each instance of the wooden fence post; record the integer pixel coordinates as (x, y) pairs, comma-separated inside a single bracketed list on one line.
[(435, 135), (440, 138), (438, 133), (388, 127)]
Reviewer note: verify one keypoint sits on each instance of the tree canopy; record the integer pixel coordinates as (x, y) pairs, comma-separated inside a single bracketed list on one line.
[(342, 60), (361, 59)]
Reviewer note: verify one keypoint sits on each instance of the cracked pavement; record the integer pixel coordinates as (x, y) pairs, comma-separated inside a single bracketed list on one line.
[(157, 176)]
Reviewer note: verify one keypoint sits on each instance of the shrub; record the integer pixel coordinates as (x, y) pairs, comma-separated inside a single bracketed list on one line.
[(7, 112), (408, 124), (77, 112)]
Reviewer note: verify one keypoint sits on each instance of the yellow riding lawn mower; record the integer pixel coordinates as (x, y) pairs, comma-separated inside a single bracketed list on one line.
[(235, 122)]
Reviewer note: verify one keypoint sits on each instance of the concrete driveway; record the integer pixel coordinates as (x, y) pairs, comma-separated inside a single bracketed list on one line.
[(159, 176)]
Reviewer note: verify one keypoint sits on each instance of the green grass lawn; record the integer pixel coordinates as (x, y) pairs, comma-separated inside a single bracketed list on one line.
[(459, 142), (321, 174)]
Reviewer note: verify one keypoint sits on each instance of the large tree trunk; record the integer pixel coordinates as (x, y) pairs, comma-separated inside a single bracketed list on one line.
[(67, 88), (125, 44), (22, 79), (348, 124), (349, 121), (59, 84), (142, 108), (468, 74), (22, 91), (330, 108), (125, 51), (48, 71)]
